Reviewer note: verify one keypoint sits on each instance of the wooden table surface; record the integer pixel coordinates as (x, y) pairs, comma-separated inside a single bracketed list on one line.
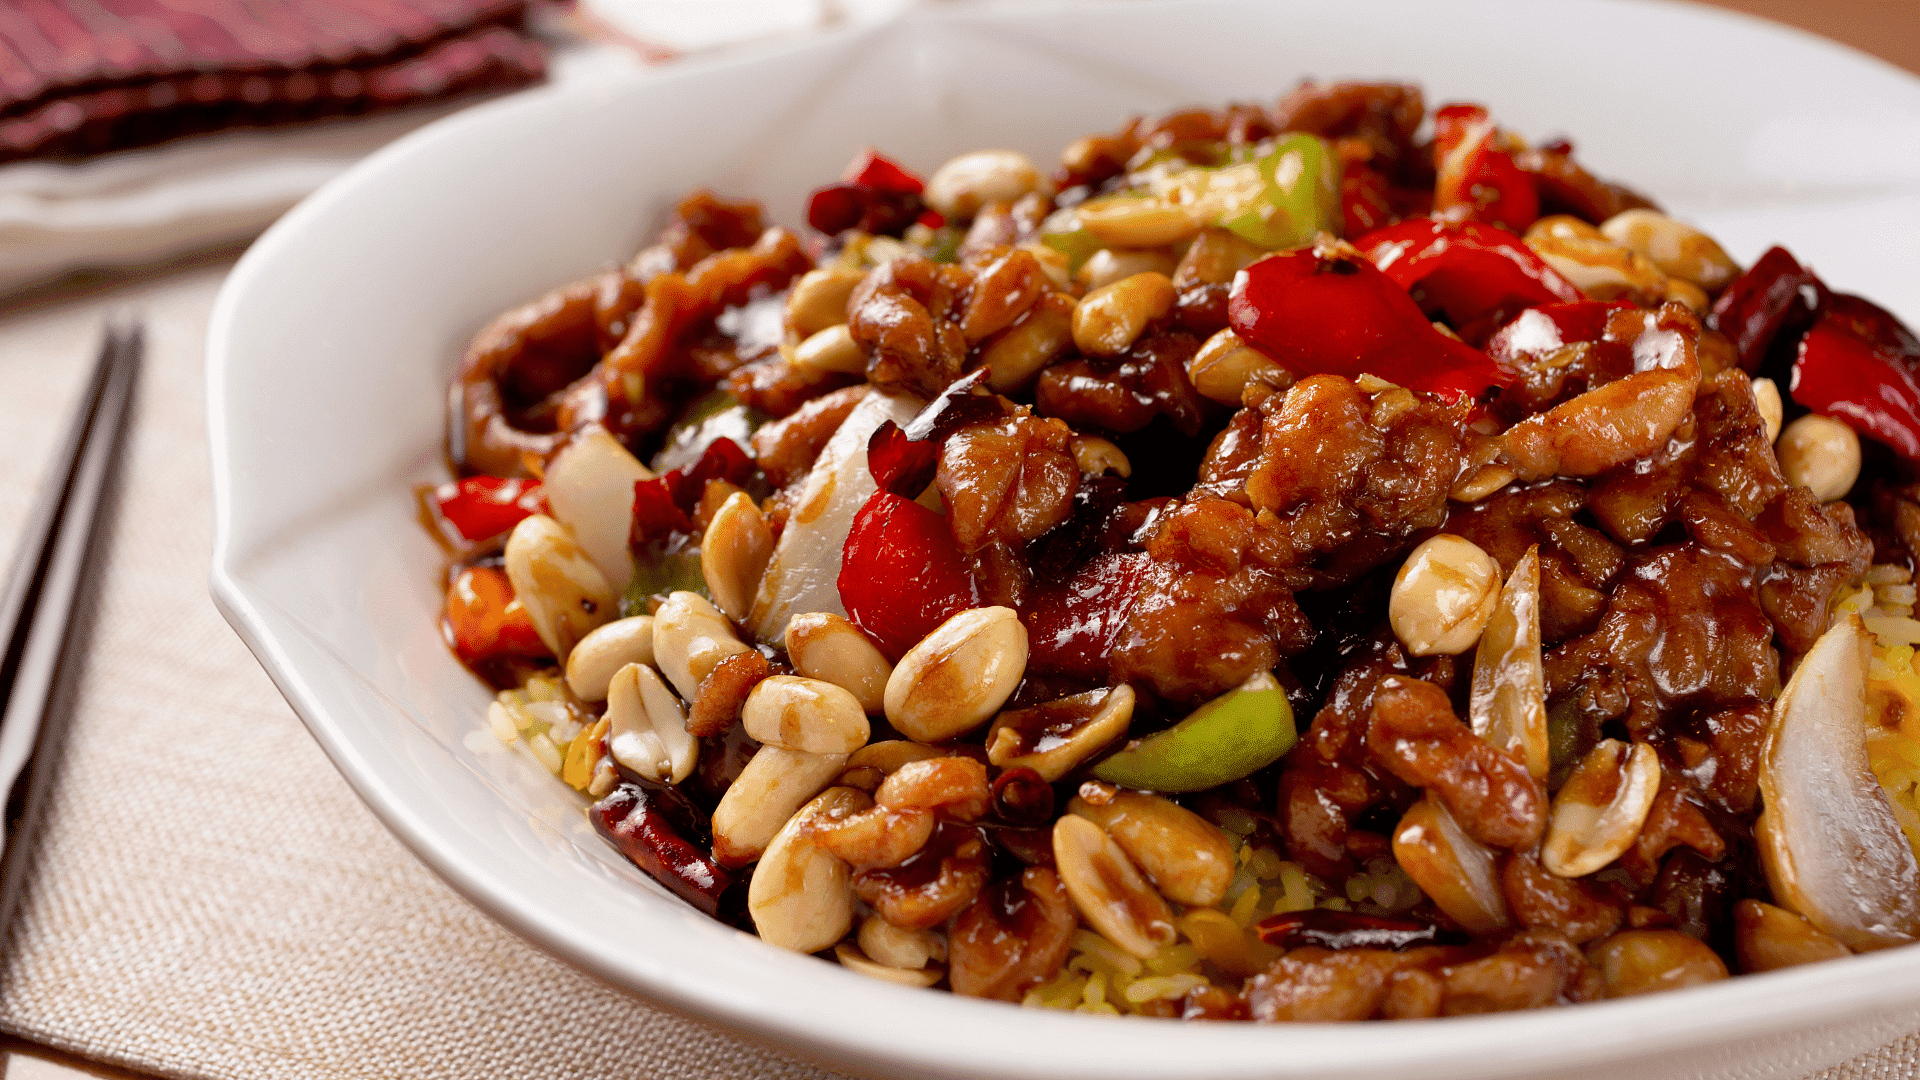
[(1888, 29)]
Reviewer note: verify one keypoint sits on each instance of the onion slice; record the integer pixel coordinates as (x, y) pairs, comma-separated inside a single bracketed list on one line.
[(1828, 839), (1508, 706), (804, 575), (590, 487)]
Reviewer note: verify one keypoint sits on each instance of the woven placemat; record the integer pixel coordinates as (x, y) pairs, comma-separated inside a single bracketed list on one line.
[(209, 900)]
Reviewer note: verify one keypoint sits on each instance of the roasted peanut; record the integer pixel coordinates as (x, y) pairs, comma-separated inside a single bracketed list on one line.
[(958, 675), (1213, 258), (564, 593), (1767, 938), (594, 661), (1107, 890), (1818, 453), (1601, 268), (1480, 483), (832, 349), (1682, 291), (825, 646), (1648, 961), (965, 184), (1225, 365), (1129, 221), (649, 730), (801, 897), (1106, 266), (1443, 596), (853, 959), (1018, 353), (896, 947), (690, 636), (760, 800), (1055, 263), (1097, 456), (1109, 319), (1766, 398), (1453, 869), (1185, 856), (1052, 739), (797, 713), (1678, 249), (819, 300), (734, 552), (1598, 812)]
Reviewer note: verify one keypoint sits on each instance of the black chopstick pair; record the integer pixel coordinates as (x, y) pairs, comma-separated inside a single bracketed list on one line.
[(39, 598)]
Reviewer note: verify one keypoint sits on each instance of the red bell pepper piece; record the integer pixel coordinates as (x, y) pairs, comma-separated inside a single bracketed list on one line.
[(1860, 365), (483, 506), (1776, 289), (875, 170), (1475, 274), (1476, 177), (901, 574), (1073, 625), (900, 464), (485, 621), (1364, 205), (1327, 312)]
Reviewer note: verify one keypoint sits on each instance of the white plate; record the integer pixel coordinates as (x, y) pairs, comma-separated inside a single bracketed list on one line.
[(333, 338)]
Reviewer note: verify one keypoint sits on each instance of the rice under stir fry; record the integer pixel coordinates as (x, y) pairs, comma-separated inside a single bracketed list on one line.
[(1327, 561)]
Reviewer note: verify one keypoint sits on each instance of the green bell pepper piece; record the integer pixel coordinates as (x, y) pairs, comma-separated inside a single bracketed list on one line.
[(1077, 245), (1234, 735), (666, 569), (1299, 195)]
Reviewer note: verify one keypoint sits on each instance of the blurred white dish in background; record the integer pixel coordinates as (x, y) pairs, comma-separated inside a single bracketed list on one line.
[(332, 341)]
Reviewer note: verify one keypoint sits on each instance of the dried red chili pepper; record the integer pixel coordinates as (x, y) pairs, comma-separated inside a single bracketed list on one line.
[(639, 819), (1020, 798), (485, 621), (1476, 177), (1775, 291), (1474, 274), (1860, 365), (1351, 930), (479, 507), (901, 574), (875, 170), (903, 460), (1328, 311), (664, 505), (899, 463), (875, 195)]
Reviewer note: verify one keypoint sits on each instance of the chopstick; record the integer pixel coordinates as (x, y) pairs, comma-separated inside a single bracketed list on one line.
[(40, 596)]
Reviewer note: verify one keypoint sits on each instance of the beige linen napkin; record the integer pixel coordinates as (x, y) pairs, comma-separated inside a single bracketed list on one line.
[(209, 899)]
